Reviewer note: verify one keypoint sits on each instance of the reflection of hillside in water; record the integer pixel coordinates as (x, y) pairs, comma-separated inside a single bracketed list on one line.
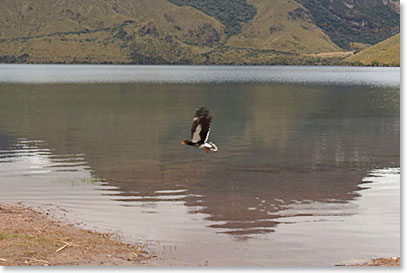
[(279, 144)]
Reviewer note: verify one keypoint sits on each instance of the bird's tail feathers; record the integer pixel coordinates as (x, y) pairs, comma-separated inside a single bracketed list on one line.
[(213, 147)]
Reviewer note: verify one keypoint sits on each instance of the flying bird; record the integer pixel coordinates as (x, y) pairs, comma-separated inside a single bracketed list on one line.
[(201, 127)]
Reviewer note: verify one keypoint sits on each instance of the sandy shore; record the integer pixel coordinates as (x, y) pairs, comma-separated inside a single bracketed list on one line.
[(29, 238)]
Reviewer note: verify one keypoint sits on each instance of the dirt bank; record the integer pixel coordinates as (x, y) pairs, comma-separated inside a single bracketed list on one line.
[(29, 238), (394, 261)]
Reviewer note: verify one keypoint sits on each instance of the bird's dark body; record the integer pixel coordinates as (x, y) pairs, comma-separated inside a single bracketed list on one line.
[(201, 118), (200, 130)]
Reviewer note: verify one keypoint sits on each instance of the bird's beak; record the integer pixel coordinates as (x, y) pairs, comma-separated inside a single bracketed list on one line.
[(184, 142)]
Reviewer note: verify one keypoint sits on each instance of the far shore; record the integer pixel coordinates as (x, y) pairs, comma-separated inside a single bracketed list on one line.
[(320, 59), (29, 238)]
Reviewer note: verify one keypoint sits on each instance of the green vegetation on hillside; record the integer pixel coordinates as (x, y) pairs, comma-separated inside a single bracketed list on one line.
[(229, 12), (364, 21), (172, 32), (384, 53)]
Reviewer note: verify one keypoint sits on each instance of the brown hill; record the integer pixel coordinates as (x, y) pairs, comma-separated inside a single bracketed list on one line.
[(160, 32)]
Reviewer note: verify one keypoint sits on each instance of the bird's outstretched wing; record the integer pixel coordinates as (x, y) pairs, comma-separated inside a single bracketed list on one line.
[(201, 126)]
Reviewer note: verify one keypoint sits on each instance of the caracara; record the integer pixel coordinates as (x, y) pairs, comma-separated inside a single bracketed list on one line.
[(201, 127)]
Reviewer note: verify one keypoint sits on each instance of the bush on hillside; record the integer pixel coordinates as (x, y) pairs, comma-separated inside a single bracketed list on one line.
[(229, 12)]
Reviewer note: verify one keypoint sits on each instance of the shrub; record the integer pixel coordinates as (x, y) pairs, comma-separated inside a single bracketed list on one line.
[(229, 12)]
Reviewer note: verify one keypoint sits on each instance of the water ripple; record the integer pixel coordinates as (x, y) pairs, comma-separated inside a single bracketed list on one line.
[(371, 76)]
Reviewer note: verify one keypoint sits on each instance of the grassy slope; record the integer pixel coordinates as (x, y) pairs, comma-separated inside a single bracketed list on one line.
[(274, 28), (386, 52), (153, 32), (157, 28), (29, 17)]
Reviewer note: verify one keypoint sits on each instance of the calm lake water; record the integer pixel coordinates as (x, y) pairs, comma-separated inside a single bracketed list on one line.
[(307, 173)]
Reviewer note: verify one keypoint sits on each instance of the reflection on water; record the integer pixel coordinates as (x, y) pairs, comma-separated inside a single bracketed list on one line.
[(289, 153)]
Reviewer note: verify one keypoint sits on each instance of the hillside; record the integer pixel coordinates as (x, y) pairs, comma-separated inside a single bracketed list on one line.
[(167, 32), (283, 25), (361, 21), (386, 52), (229, 12)]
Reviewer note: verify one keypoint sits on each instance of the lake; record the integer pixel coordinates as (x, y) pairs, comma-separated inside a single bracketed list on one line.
[(307, 172)]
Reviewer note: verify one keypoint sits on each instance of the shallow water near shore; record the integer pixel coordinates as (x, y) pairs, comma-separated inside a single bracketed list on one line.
[(307, 173)]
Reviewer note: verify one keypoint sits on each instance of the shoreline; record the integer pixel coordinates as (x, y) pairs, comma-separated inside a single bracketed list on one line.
[(393, 261), (28, 237), (327, 64)]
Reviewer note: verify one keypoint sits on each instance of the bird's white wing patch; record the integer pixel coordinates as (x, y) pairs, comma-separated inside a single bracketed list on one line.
[(196, 137), (210, 145), (207, 135)]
